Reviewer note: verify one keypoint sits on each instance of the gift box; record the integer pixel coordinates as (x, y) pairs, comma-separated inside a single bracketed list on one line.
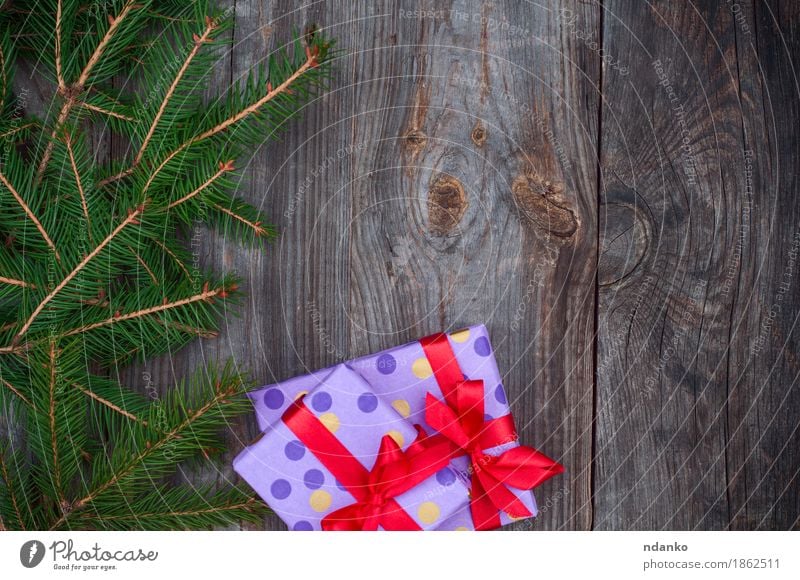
[(337, 448), (408, 377)]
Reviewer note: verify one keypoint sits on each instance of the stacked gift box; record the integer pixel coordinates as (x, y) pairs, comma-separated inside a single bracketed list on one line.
[(419, 436)]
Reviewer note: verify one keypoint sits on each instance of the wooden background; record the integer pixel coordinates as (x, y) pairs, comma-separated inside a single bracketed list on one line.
[(611, 187)]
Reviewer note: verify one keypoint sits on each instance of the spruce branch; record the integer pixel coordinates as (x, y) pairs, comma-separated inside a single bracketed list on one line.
[(14, 282), (171, 253), (51, 415), (3, 75), (223, 168), (76, 173), (9, 482), (191, 425), (17, 129), (132, 218), (59, 74), (16, 391), (143, 264), (29, 213), (205, 296), (107, 112), (115, 22), (258, 228), (110, 405), (198, 43), (71, 92), (182, 508), (284, 88), (95, 454)]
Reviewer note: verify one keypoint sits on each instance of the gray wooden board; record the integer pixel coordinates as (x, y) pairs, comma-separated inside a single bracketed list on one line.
[(627, 231)]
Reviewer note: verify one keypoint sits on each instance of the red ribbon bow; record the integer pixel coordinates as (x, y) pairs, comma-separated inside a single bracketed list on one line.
[(461, 422), (393, 473)]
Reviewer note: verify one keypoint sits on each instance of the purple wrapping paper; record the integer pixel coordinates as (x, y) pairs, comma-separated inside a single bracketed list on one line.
[(302, 491), (401, 376)]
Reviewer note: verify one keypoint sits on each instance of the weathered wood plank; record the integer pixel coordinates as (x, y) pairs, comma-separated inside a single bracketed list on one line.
[(474, 201), (763, 452), (690, 220), (449, 179)]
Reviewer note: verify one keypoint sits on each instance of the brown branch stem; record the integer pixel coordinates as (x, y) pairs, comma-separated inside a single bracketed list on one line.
[(130, 219), (103, 111), (110, 405), (247, 111), (16, 391), (169, 436), (198, 512), (147, 311), (15, 282), (30, 214), (16, 130), (177, 260), (259, 229), (59, 74), (79, 85), (172, 88), (223, 169), (51, 414), (10, 487), (84, 204)]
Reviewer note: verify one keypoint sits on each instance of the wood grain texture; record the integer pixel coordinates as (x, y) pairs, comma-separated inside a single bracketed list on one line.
[(692, 417), (623, 227)]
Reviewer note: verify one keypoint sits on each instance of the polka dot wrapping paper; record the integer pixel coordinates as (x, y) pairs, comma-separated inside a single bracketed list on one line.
[(401, 377), (299, 488)]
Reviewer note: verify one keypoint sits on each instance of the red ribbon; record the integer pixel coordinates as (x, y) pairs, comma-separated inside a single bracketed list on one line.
[(461, 422), (393, 473)]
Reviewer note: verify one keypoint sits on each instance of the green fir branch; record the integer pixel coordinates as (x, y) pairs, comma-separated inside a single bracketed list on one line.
[(95, 261)]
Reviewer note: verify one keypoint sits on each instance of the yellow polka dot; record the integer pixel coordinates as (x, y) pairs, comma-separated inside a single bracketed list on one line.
[(300, 395), (460, 335), (421, 368), (428, 512), (397, 436), (462, 529), (320, 501), (330, 421), (518, 516), (402, 407)]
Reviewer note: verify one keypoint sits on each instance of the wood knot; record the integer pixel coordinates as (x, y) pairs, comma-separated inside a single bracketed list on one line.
[(446, 204), (478, 134), (624, 240), (540, 201), (416, 139)]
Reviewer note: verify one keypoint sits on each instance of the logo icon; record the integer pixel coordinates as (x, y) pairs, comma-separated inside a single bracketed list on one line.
[(31, 553)]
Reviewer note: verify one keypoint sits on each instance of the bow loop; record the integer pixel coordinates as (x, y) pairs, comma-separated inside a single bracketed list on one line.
[(393, 473), (461, 421)]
